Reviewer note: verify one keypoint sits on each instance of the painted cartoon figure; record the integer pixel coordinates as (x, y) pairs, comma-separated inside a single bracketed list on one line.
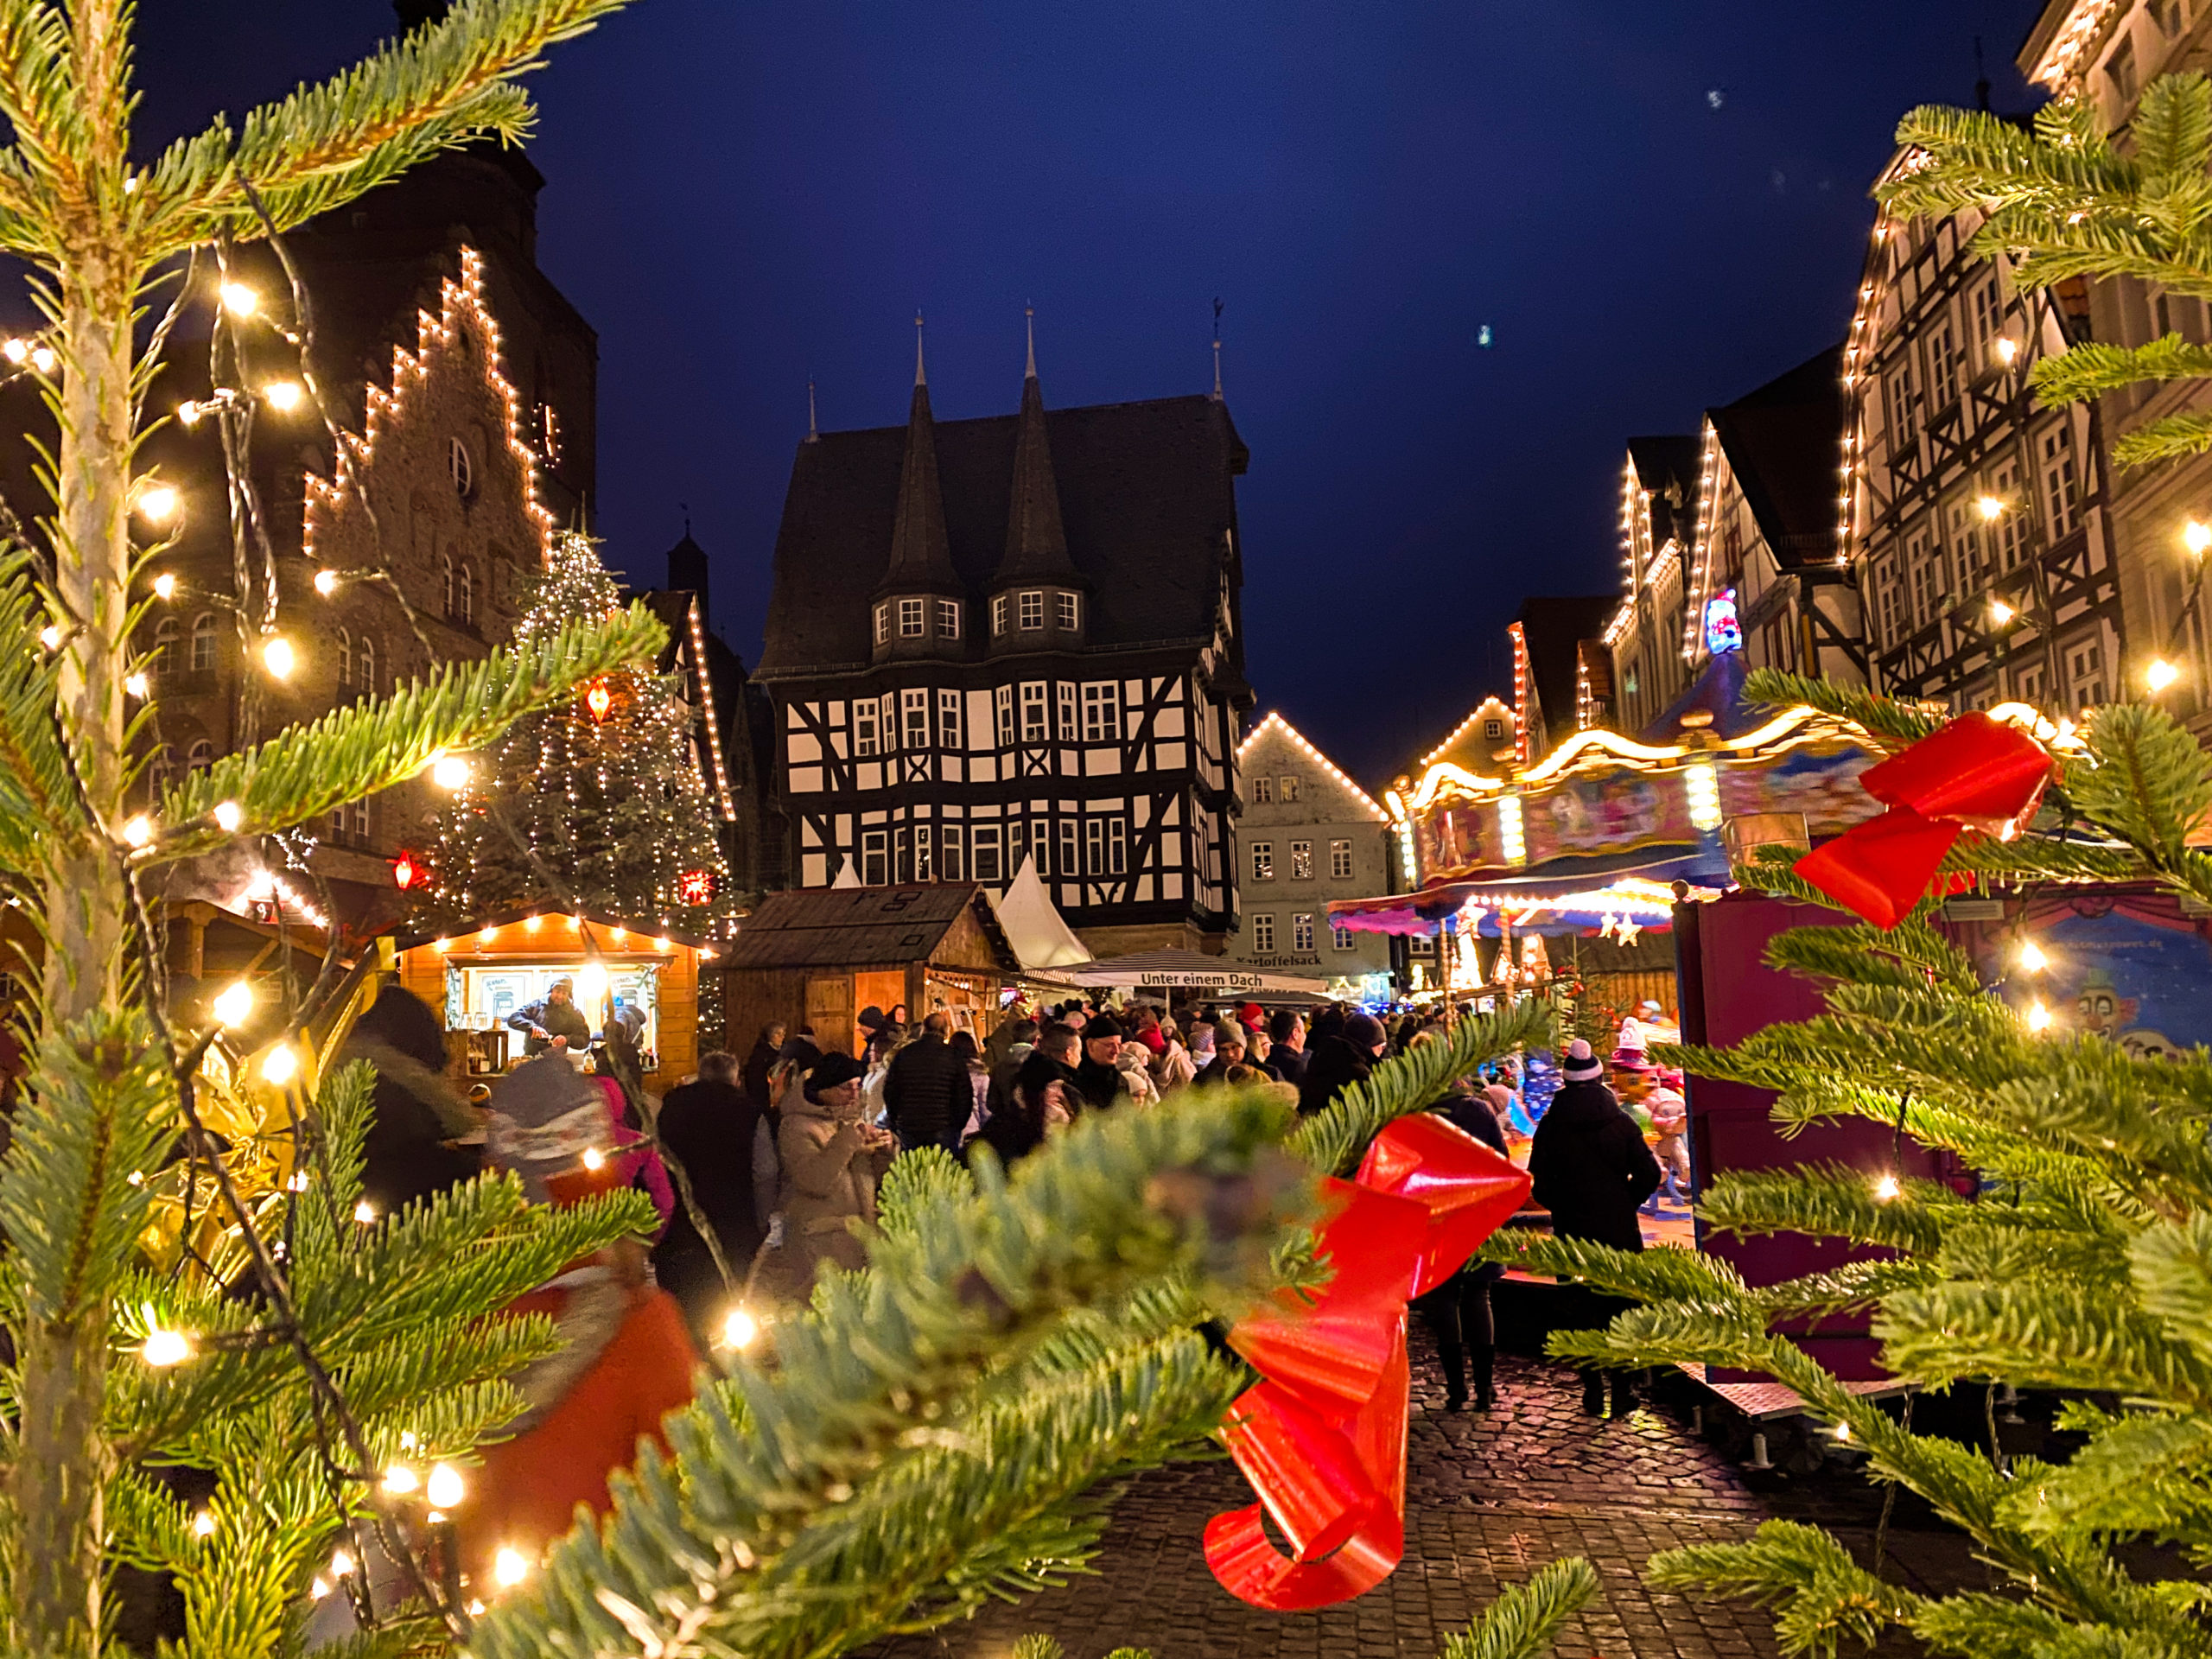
[(1723, 632), (2099, 1008)]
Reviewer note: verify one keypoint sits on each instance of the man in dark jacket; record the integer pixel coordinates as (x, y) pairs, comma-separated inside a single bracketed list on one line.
[(1020, 1038), (556, 1022), (1458, 1310), (1098, 1079), (1287, 1055), (414, 1115), (1591, 1169), (1042, 1093), (1337, 1062), (928, 1092), (1228, 1051), (711, 1127), (759, 1063)]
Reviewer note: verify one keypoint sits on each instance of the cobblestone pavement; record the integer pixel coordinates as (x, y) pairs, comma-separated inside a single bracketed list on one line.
[(1491, 1497)]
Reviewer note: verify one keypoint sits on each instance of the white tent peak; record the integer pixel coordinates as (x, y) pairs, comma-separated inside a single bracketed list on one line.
[(848, 875), (1033, 925)]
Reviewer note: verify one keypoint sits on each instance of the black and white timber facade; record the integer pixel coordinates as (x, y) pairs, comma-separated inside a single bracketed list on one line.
[(1017, 637)]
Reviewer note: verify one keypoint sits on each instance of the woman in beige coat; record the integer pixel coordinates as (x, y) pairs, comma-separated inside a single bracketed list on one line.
[(832, 1161)]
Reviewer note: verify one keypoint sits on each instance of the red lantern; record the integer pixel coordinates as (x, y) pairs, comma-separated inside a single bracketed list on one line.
[(599, 700), (404, 871), (696, 887)]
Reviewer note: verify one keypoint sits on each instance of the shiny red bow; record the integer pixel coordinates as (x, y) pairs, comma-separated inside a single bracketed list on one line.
[(1323, 1437), (1975, 773)]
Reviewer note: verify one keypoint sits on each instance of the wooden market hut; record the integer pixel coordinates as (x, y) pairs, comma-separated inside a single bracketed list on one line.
[(820, 956), (474, 978)]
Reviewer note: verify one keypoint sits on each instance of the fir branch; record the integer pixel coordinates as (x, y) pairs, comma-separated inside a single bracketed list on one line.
[(1820, 1595), (1526, 1618), (1894, 724)]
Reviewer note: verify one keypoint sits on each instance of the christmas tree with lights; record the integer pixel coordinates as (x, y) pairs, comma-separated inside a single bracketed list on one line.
[(599, 805)]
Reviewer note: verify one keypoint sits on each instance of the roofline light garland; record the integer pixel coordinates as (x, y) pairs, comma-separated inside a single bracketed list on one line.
[(1708, 455), (707, 701), (1465, 727), (1312, 754)]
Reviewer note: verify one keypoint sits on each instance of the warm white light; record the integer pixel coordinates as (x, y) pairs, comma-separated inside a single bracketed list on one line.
[(325, 582), (1843, 1431), (229, 815), (2008, 349), (530, 924), (2039, 1017), (240, 299), (342, 1563), (592, 984), (16, 350), (283, 396), (618, 934), (319, 1589), (2196, 537), (2161, 674), (165, 1348), (595, 1159), (739, 1330), (1887, 1188), (139, 831), (487, 935), (446, 1489), (449, 770), (165, 585), (509, 1567), (399, 1480), (188, 412), (281, 1065), (1701, 789), (135, 686), (233, 1005), (277, 657), (2000, 612), (157, 503), (203, 1524), (1989, 507), (2031, 957), (50, 636), (43, 360), (661, 942), (365, 1213)]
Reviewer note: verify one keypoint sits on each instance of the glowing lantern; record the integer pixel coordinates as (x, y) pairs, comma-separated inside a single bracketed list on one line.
[(403, 871), (696, 887), (599, 700)]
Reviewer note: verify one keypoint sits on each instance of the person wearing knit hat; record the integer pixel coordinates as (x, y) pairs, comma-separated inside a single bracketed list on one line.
[(1337, 1062), (1230, 1043), (1251, 1016), (832, 1162), (1098, 1080), (1591, 1170)]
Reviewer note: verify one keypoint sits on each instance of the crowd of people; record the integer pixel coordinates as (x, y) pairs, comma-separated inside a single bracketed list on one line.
[(773, 1163)]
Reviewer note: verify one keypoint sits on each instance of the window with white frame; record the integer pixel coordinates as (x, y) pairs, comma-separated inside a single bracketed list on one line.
[(1070, 611), (467, 596), (453, 585), (1263, 791), (2011, 529), (1301, 931), (998, 614), (1036, 720), (1340, 860), (1101, 712), (1068, 865), (915, 702), (1988, 314), (876, 861), (1094, 846), (950, 851), (864, 741), (1965, 515), (924, 853), (365, 660), (203, 643), (2061, 502), (888, 705), (1287, 789), (1302, 861), (1002, 700), (345, 658), (1421, 944), (349, 820), (983, 842), (948, 618), (2120, 70), (1942, 364), (883, 624), (902, 852), (1264, 860), (165, 647), (1340, 939), (2167, 14), (910, 618), (1032, 608), (1106, 846), (948, 721), (1905, 412), (1018, 849), (1263, 934), (1066, 699)]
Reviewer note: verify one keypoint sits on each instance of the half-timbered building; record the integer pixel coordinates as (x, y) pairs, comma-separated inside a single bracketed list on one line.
[(1019, 637)]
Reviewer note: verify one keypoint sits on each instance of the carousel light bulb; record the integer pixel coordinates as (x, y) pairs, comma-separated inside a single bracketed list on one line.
[(325, 582), (2196, 537), (233, 1005), (157, 503), (283, 396), (135, 686), (510, 1566), (446, 1487), (2161, 674), (1887, 1188), (240, 299), (2031, 957), (229, 815), (449, 772), (139, 831), (163, 1349), (165, 585), (739, 1330), (281, 1066)]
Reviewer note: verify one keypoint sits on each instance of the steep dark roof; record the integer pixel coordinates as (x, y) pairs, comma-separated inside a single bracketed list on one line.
[(831, 927), (919, 555), (1036, 542), (1668, 466), (1553, 628), (1784, 444), (1145, 490)]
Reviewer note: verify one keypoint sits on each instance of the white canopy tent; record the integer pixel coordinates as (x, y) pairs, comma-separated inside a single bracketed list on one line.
[(1042, 940)]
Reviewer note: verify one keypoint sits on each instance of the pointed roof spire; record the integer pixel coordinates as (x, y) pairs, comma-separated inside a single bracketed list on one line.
[(1036, 542), (813, 430), (1216, 349), (921, 552)]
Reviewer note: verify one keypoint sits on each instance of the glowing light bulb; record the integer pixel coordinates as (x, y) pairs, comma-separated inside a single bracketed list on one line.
[(399, 1480), (157, 503), (283, 396), (595, 1159), (739, 1330), (240, 299), (16, 350), (2031, 957), (342, 1563), (188, 412), (280, 1065), (277, 657), (487, 935), (1843, 1431), (449, 772), (203, 1524), (2008, 349), (163, 1349), (1989, 507), (2161, 674), (50, 636), (2196, 537), (446, 1487), (319, 1589), (1887, 1188), (365, 1213), (139, 831), (592, 984), (2039, 1017), (165, 585), (135, 686), (2000, 612), (43, 360), (510, 1566), (531, 924), (234, 1004), (325, 582), (229, 815)]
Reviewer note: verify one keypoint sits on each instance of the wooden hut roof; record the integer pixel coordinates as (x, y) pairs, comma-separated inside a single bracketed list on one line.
[(846, 927)]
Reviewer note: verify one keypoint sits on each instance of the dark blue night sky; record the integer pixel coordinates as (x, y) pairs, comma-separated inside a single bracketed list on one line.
[(1654, 207)]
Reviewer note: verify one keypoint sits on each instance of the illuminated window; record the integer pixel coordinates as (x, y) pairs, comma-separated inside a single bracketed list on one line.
[(925, 861), (1339, 861), (1301, 931), (1263, 934), (910, 618), (1033, 611), (1069, 609), (1302, 861), (1287, 789), (948, 618), (1263, 791), (1264, 860)]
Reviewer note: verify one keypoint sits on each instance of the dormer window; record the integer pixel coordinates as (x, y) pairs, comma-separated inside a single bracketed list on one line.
[(910, 618), (883, 625), (1070, 612), (1033, 611), (948, 618), (999, 607)]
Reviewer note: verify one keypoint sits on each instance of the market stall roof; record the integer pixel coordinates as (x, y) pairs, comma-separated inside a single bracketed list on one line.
[(1034, 927), (848, 927), (1186, 970), (409, 941)]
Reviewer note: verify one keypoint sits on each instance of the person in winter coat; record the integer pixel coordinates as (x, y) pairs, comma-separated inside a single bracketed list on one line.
[(878, 1035), (1591, 1170), (715, 1130), (759, 1063), (927, 1091), (1134, 1063), (556, 1022), (1042, 1097), (1228, 1040), (1458, 1310), (1172, 1068), (1287, 1055), (635, 1158), (832, 1163), (1337, 1062), (1098, 1081), (413, 1112), (1020, 1038)]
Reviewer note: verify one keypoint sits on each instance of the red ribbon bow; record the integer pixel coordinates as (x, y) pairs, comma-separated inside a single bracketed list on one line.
[(1323, 1437), (1975, 773)]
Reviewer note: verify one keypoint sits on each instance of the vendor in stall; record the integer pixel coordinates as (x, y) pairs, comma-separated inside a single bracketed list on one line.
[(556, 1023)]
